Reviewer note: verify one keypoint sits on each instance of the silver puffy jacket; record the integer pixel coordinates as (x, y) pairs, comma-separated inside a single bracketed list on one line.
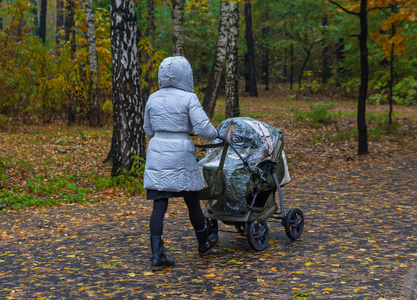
[(170, 115)]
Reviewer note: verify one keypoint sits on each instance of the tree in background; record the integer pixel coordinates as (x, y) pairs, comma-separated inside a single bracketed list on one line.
[(232, 97), (265, 57), (392, 40), (70, 38), (253, 91), (94, 108), (42, 21), (59, 14), (362, 13), (151, 22), (210, 96), (128, 106), (53, 79), (178, 27), (1, 18)]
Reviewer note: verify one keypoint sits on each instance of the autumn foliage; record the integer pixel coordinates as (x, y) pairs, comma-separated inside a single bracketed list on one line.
[(308, 41)]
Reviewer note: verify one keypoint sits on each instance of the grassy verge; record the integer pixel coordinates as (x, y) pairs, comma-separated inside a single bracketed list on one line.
[(45, 166)]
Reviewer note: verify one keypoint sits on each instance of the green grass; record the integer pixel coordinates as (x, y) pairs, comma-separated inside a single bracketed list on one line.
[(28, 187), (317, 114)]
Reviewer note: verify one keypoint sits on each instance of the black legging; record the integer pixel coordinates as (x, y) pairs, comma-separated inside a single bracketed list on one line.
[(160, 207)]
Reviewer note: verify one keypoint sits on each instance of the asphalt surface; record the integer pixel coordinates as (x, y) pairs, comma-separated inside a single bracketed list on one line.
[(359, 242)]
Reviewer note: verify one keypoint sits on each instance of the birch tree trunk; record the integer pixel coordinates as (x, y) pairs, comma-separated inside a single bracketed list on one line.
[(232, 99), (210, 96), (253, 91), (128, 106), (94, 109), (178, 27)]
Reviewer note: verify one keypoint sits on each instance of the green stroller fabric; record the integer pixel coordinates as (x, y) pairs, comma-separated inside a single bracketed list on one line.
[(256, 142)]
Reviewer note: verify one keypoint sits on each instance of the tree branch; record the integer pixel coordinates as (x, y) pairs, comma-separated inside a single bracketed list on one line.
[(344, 9), (378, 7)]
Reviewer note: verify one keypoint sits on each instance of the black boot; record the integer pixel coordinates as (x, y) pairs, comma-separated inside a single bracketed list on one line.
[(159, 259), (206, 242)]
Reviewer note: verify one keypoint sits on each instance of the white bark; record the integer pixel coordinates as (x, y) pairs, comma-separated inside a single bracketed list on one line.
[(94, 114), (232, 99), (210, 96), (128, 106), (178, 27)]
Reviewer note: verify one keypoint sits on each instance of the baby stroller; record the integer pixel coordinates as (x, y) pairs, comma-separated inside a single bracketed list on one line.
[(242, 171)]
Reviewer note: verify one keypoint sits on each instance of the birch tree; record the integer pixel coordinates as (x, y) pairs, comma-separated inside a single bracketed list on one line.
[(210, 96), (178, 27), (128, 137), (94, 108), (253, 91), (232, 99)]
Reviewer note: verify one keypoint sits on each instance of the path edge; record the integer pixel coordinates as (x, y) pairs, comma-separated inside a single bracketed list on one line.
[(410, 284)]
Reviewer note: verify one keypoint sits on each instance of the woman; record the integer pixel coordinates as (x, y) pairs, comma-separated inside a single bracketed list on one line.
[(171, 168)]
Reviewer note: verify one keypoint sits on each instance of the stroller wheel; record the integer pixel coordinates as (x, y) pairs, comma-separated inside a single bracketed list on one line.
[(258, 234), (294, 223), (212, 225)]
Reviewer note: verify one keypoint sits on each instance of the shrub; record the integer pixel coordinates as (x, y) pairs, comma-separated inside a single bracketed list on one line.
[(317, 114)]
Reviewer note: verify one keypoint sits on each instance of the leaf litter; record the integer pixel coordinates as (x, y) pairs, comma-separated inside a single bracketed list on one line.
[(359, 240)]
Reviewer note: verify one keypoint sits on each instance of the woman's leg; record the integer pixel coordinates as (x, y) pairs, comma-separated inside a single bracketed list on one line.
[(194, 212), (156, 222), (206, 242), (159, 259)]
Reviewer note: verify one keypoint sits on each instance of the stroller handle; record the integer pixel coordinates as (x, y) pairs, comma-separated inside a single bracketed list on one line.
[(226, 141)]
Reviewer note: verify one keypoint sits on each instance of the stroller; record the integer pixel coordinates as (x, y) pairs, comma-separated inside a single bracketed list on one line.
[(242, 172)]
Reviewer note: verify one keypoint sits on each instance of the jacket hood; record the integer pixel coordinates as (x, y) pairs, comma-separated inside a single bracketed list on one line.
[(176, 72)]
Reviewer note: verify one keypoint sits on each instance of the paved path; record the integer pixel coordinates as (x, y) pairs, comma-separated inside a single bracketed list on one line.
[(360, 240)]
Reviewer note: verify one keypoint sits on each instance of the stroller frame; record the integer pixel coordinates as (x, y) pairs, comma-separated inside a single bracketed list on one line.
[(256, 229)]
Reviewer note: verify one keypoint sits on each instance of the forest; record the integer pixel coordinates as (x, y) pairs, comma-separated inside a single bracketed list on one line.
[(82, 62), (337, 77), (307, 46)]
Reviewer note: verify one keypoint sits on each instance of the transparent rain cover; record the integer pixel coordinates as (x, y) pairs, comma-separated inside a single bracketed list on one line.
[(256, 142)]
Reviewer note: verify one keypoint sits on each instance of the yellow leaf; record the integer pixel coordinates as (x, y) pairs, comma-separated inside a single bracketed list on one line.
[(210, 275)]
